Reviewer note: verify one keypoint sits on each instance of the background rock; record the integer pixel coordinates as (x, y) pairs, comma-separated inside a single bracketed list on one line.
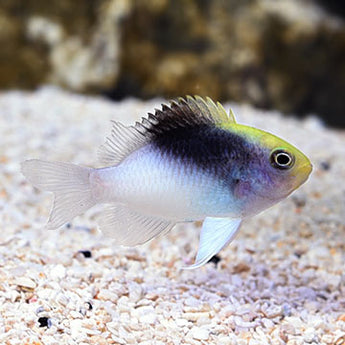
[(286, 54), (74, 44)]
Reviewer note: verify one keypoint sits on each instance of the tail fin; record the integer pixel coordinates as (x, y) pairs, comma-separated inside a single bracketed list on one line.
[(69, 183)]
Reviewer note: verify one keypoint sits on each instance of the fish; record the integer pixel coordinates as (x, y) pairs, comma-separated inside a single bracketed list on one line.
[(188, 161)]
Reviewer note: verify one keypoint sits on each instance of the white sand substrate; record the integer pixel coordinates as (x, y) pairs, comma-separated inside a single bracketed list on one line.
[(281, 281)]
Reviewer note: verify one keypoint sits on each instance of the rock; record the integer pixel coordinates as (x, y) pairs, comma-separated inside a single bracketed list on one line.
[(249, 56), (283, 54), (75, 44)]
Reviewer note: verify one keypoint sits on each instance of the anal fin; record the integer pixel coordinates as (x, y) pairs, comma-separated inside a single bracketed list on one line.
[(130, 228), (216, 233)]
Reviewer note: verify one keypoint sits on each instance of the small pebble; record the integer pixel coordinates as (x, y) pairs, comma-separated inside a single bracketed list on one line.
[(58, 272), (309, 336), (299, 200), (200, 333), (224, 340), (149, 318), (181, 322), (44, 322), (325, 166), (85, 253), (89, 305), (286, 310), (215, 259), (25, 283), (40, 309), (75, 314), (135, 292)]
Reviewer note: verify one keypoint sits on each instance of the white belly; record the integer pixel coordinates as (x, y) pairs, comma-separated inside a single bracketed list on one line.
[(157, 185)]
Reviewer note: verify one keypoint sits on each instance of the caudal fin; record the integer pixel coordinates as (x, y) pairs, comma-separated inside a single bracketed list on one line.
[(69, 183)]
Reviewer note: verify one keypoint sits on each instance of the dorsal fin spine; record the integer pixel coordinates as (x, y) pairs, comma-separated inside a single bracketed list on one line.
[(185, 112), (223, 113), (203, 107)]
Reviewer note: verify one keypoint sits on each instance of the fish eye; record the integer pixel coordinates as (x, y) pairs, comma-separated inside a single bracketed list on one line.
[(281, 159)]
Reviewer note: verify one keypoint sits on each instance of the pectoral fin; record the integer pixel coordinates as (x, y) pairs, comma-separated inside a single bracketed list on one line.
[(216, 233)]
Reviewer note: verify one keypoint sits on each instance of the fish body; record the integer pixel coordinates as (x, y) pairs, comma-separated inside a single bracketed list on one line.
[(189, 161), (155, 184)]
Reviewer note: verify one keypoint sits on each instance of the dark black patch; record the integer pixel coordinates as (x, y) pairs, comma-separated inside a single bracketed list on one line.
[(210, 148), (298, 254), (86, 253), (215, 259), (325, 166), (299, 200), (334, 6), (89, 305), (44, 322)]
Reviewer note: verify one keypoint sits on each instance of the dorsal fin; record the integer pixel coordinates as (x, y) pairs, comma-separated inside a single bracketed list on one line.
[(185, 112), (122, 141)]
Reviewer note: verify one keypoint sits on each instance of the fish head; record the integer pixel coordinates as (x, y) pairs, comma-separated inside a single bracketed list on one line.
[(287, 166), (274, 170)]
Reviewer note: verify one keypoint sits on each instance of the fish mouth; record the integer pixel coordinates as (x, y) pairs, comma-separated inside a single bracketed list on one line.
[(300, 176), (304, 171)]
